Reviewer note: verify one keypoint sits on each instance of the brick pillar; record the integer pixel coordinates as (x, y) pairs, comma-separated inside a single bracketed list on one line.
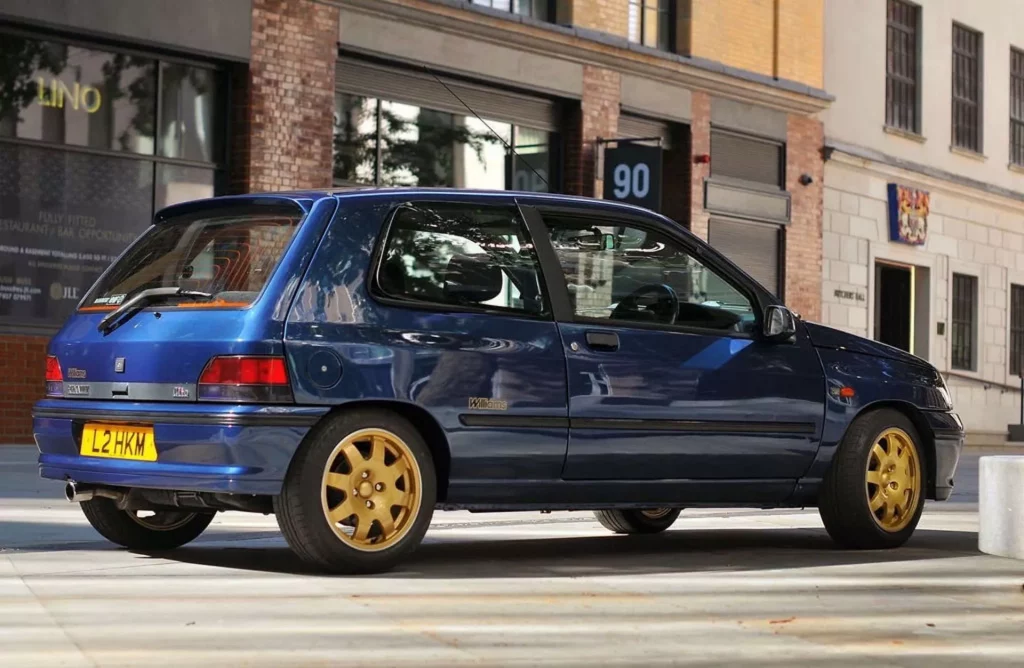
[(700, 144), (597, 117), (290, 96), (804, 139)]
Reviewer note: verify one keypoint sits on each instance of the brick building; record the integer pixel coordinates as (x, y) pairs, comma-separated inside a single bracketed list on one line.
[(111, 111)]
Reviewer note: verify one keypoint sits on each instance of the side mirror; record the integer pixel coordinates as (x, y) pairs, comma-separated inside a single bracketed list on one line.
[(779, 323)]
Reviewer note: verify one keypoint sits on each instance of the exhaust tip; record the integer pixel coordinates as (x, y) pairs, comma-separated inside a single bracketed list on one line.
[(69, 491)]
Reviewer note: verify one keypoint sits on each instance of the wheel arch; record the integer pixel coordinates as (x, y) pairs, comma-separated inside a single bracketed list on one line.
[(420, 418), (924, 431)]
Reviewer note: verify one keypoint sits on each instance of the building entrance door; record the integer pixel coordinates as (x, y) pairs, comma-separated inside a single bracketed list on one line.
[(894, 305)]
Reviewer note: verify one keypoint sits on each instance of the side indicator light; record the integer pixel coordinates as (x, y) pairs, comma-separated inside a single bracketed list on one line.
[(54, 377), (846, 392)]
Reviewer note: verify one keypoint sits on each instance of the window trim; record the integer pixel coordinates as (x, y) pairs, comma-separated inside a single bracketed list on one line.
[(698, 252), (379, 295), (915, 128), (979, 104)]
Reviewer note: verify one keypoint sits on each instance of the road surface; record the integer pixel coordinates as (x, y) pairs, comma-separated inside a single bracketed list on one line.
[(722, 588)]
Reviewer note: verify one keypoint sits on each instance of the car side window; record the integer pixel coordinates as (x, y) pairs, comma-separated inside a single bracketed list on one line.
[(461, 255), (632, 275)]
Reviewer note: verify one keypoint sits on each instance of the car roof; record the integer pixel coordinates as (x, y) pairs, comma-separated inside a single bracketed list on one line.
[(306, 199)]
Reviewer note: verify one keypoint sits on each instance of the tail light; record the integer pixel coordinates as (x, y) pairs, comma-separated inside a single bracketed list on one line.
[(54, 377), (245, 378)]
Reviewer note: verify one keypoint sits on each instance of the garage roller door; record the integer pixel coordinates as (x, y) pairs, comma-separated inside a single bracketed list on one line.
[(752, 246)]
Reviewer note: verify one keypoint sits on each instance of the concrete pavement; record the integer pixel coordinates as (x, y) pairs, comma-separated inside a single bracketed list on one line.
[(721, 588)]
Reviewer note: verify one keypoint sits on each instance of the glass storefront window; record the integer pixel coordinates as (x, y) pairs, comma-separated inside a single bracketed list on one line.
[(177, 183), (71, 95), (430, 148), (355, 139), (65, 212), (189, 122), (64, 216)]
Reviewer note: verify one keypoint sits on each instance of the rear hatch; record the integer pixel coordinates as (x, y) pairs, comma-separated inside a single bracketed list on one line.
[(194, 286)]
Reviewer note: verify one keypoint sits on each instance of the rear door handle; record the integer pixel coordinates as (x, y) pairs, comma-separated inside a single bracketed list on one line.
[(603, 341)]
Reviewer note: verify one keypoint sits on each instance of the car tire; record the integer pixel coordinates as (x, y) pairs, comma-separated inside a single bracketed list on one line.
[(373, 463), (873, 493), (165, 530), (654, 520)]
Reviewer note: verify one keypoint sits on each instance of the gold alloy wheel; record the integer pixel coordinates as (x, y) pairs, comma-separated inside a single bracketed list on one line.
[(655, 513), (893, 480), (371, 489)]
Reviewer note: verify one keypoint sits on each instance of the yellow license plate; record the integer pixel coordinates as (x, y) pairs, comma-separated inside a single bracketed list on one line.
[(118, 442)]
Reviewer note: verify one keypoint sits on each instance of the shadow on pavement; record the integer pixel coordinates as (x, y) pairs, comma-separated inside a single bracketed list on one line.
[(672, 552)]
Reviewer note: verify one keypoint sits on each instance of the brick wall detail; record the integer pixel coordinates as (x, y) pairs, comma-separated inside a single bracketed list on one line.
[(597, 117), (291, 94), (700, 144), (22, 364), (804, 139)]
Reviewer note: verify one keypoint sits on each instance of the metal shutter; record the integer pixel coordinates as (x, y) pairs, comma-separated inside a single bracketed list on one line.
[(634, 127), (422, 89), (753, 247), (746, 158)]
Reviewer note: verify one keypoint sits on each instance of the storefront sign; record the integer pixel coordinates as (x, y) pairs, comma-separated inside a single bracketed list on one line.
[(632, 174), (908, 215), (56, 93)]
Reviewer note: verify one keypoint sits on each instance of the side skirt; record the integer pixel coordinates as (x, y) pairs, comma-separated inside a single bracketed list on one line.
[(598, 494)]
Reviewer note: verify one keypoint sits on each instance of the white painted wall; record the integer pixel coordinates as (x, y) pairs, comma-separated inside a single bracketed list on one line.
[(855, 33)]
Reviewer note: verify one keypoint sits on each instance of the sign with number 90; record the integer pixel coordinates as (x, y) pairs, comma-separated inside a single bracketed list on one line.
[(632, 174)]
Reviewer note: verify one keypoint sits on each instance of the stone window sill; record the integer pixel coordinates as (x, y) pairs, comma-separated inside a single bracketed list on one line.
[(967, 153), (1014, 167), (905, 134)]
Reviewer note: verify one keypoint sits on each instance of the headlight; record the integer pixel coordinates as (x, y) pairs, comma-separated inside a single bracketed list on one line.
[(945, 393)]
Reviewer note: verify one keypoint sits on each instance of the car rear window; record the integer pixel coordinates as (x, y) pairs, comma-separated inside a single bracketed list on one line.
[(227, 253)]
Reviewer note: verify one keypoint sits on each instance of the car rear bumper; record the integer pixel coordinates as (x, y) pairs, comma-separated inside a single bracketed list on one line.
[(242, 449)]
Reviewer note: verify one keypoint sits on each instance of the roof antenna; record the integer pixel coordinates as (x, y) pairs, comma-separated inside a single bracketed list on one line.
[(500, 138)]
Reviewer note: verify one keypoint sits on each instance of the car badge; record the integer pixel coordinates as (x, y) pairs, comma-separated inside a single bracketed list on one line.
[(179, 392), (77, 374), (119, 365)]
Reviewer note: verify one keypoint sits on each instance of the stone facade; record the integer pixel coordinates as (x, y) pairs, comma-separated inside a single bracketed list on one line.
[(968, 233)]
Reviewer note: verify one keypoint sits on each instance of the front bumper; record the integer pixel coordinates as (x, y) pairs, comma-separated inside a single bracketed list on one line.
[(949, 443), (240, 449)]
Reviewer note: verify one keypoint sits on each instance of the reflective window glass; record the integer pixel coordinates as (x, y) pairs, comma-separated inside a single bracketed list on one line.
[(72, 95), (430, 148), (189, 122), (633, 275), (176, 184), (460, 255), (355, 139)]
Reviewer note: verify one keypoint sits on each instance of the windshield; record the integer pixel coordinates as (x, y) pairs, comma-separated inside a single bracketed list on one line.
[(228, 254)]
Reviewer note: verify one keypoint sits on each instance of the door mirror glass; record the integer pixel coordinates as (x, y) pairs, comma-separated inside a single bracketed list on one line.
[(779, 323)]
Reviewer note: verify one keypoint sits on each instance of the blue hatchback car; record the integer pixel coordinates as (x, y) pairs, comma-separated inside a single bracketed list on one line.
[(352, 361)]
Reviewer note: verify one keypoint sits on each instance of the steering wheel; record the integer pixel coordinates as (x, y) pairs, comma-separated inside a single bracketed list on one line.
[(659, 310)]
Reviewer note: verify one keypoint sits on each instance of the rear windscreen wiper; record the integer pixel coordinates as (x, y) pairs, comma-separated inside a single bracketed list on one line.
[(144, 298)]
